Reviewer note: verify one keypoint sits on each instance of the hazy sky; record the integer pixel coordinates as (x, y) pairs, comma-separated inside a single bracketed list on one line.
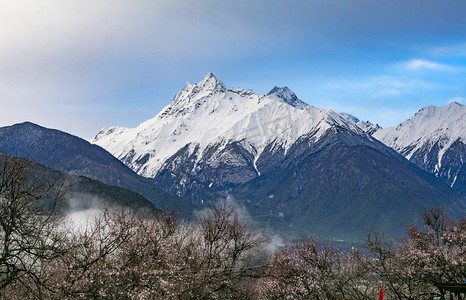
[(84, 64)]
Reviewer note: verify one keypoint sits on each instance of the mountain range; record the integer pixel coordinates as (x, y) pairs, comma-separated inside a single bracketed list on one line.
[(295, 169), (298, 169)]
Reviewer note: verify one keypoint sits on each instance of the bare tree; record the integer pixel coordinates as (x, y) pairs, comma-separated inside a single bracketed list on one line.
[(386, 260), (29, 235), (223, 255), (311, 270), (429, 254), (128, 255), (436, 251), (123, 254)]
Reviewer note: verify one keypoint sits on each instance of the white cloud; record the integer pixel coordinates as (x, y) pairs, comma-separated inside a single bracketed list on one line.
[(424, 64)]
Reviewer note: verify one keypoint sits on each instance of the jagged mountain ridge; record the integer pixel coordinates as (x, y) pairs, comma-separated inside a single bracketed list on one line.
[(433, 139), (210, 114)]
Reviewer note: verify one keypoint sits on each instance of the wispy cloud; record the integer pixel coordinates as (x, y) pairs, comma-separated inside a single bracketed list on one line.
[(383, 85), (424, 64), (385, 99), (120, 62), (458, 50)]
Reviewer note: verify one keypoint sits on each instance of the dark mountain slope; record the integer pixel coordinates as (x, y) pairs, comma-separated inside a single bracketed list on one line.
[(73, 155), (80, 192), (342, 187)]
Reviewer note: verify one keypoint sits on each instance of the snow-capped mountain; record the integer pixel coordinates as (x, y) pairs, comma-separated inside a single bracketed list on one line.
[(210, 113), (294, 166), (434, 139)]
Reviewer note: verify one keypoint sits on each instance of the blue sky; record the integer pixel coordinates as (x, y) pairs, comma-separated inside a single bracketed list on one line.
[(81, 65)]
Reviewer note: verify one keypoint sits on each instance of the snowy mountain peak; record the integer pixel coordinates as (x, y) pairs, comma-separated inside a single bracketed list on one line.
[(209, 76), (284, 94), (428, 135), (210, 113), (209, 82), (454, 104), (192, 92), (446, 123), (451, 109)]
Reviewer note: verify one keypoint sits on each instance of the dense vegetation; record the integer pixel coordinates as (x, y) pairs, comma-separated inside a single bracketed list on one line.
[(131, 255)]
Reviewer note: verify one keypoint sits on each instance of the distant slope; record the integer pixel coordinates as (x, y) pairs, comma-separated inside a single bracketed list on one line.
[(82, 193), (73, 155)]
